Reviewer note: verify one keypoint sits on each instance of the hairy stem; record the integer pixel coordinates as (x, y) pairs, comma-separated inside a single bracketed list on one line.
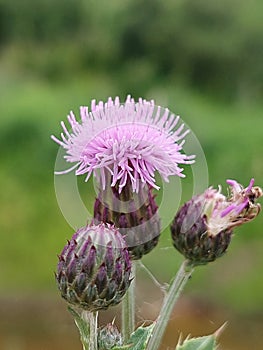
[(170, 299), (128, 308), (87, 323)]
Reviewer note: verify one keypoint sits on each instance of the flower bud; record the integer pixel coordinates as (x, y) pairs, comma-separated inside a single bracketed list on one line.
[(202, 228), (109, 337), (94, 268)]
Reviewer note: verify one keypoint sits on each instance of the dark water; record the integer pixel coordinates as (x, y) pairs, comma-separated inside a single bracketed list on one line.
[(43, 323)]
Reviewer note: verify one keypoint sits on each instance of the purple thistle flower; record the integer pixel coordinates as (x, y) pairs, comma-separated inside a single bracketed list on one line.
[(203, 227), (129, 141)]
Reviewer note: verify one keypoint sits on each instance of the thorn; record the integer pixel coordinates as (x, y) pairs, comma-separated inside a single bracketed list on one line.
[(61, 258), (220, 330), (180, 340)]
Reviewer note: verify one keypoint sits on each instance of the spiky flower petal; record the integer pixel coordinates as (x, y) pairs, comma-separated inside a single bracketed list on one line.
[(94, 268), (129, 141), (202, 228)]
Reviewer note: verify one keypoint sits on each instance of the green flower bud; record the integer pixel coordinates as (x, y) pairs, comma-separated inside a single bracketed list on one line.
[(109, 337), (94, 268)]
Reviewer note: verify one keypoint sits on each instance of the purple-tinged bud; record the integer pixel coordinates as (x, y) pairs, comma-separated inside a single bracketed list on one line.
[(109, 337), (135, 214), (202, 228), (94, 268)]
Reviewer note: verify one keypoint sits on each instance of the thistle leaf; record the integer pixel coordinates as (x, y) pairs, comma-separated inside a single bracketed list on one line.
[(201, 343), (208, 342), (80, 323), (138, 339)]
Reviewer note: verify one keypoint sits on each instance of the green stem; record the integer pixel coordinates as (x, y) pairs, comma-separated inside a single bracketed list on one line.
[(87, 323), (128, 308), (92, 318), (176, 288)]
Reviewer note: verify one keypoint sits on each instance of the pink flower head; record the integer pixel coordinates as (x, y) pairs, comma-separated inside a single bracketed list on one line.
[(129, 141)]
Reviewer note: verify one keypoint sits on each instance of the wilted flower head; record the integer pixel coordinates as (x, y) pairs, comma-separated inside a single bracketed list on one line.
[(129, 141), (94, 268), (202, 228)]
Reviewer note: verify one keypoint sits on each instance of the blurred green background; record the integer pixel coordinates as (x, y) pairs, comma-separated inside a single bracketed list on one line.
[(203, 60)]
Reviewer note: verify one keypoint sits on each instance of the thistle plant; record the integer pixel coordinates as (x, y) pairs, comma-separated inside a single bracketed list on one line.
[(124, 146)]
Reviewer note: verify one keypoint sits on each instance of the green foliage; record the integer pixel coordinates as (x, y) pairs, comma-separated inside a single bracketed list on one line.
[(138, 340), (83, 327), (208, 342), (40, 21), (202, 343), (211, 46)]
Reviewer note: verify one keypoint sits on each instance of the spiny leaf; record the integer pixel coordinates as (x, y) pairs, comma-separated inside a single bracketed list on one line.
[(81, 324), (138, 339), (202, 343), (208, 342)]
